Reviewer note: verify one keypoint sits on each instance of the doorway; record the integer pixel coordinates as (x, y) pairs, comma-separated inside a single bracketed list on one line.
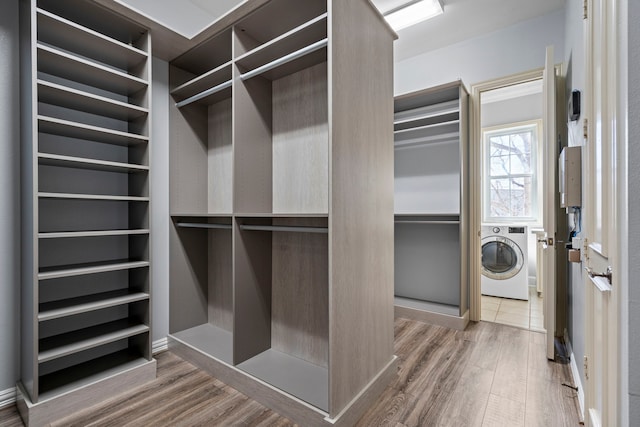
[(511, 204), (552, 264)]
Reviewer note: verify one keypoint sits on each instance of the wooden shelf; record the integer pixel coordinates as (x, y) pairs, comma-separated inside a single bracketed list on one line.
[(92, 197), (73, 37), (55, 94), (302, 379), (432, 110), (75, 377), (76, 341), (91, 268), (290, 63), (69, 307), (71, 129), (97, 233), (92, 164), (58, 63), (426, 120), (299, 38), (209, 339), (208, 88)]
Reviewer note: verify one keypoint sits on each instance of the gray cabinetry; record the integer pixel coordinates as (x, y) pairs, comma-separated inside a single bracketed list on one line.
[(281, 182), (85, 207), (431, 205)]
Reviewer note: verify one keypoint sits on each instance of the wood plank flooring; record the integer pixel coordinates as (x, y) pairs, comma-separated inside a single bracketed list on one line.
[(488, 375)]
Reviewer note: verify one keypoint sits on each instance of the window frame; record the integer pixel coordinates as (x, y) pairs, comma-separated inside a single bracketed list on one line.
[(536, 174)]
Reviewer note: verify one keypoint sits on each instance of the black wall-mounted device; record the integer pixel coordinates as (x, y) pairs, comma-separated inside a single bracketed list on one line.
[(574, 105)]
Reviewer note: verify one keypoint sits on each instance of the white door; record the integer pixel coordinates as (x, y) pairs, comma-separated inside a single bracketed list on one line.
[(548, 242), (599, 201)]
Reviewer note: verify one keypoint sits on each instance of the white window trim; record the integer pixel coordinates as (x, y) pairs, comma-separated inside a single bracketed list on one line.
[(536, 208)]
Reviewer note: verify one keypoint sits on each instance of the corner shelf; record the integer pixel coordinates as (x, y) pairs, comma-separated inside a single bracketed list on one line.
[(209, 339)]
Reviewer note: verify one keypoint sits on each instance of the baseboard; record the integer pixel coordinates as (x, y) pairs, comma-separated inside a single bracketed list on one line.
[(160, 345), (7, 397), (576, 377), (448, 321)]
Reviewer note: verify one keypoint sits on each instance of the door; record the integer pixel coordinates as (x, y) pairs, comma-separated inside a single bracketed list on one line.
[(599, 201), (548, 240)]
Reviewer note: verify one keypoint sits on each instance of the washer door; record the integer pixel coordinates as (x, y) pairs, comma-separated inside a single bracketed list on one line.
[(502, 258)]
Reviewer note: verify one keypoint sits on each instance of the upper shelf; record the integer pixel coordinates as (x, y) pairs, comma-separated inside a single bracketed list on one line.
[(432, 113), (63, 96), (207, 88), (53, 126), (73, 37), (62, 64), (294, 50)]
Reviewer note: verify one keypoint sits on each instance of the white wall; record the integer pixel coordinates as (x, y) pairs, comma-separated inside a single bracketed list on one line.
[(514, 49), (10, 197), (159, 147), (574, 61)]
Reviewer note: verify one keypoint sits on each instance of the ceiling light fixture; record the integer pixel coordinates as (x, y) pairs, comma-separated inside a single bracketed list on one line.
[(413, 13)]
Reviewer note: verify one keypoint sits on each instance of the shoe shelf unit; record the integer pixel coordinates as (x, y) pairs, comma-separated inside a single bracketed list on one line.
[(431, 205), (86, 330), (281, 189)]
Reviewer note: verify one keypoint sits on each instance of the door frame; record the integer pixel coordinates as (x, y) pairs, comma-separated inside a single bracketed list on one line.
[(476, 181), (615, 391)]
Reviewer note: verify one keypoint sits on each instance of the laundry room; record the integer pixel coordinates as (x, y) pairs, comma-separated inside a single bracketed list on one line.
[(512, 191)]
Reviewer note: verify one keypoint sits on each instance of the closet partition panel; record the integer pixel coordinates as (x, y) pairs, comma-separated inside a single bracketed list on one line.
[(294, 283)]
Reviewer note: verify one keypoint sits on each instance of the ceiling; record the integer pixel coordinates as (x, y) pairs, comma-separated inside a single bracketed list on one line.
[(462, 19)]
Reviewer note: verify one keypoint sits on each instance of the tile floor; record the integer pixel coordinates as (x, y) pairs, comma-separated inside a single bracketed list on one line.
[(512, 312)]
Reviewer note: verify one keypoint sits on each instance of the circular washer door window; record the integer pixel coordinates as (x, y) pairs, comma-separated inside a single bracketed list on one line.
[(501, 258)]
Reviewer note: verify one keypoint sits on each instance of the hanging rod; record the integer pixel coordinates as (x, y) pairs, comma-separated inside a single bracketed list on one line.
[(285, 59), (285, 228), (204, 94), (426, 222), (203, 225)]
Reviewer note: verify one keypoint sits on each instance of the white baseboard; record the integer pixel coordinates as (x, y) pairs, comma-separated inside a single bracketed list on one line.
[(160, 345), (576, 377), (7, 397)]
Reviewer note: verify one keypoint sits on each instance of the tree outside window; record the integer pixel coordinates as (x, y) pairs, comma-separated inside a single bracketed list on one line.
[(511, 172)]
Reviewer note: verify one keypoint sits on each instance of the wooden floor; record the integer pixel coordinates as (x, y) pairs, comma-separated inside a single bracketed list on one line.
[(488, 375)]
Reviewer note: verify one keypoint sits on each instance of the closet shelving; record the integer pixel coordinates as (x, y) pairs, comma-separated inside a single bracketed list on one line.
[(431, 149), (85, 185), (252, 231)]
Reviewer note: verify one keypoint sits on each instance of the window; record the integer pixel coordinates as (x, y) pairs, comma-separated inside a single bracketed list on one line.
[(511, 185)]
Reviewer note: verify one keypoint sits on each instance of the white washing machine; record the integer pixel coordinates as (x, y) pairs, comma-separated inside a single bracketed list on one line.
[(504, 261)]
